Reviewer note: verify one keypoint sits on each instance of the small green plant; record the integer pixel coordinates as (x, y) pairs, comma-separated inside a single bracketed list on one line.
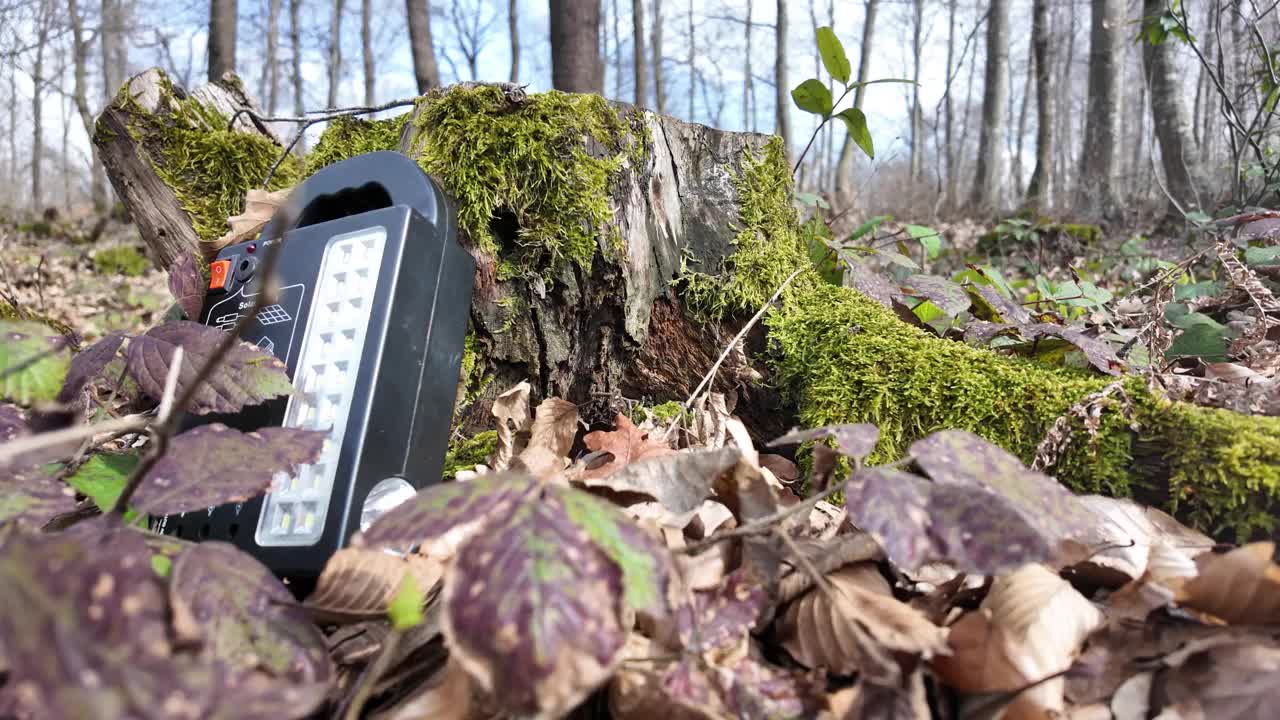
[(124, 260), (814, 97)]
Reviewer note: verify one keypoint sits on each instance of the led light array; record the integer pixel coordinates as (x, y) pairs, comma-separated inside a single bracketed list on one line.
[(324, 381)]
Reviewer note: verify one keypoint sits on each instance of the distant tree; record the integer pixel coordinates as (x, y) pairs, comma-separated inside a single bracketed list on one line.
[(223, 16), (1038, 190), (995, 94), (335, 52), (1169, 118), (576, 65), (659, 89), (425, 71), (1099, 166), (270, 81), (638, 62), (513, 29), (80, 43), (366, 51), (844, 168), (782, 91), (295, 62)]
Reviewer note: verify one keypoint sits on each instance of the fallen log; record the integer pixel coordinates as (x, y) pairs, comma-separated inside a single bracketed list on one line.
[(619, 250)]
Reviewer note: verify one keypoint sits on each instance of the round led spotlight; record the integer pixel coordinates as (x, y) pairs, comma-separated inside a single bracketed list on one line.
[(384, 496)]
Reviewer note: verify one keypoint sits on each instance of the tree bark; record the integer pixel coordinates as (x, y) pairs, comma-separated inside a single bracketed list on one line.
[(948, 154), (748, 85), (1039, 190), (640, 83), (295, 60), (1169, 120), (917, 113), (131, 162), (271, 63), (1020, 133), (366, 50), (693, 68), (617, 50), (844, 168), (659, 92), (988, 182), (335, 53), (782, 91), (1099, 165), (43, 29), (513, 30), (222, 38), (80, 95), (576, 65)]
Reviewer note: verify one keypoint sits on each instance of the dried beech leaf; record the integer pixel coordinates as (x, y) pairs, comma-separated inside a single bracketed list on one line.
[(679, 481), (245, 376), (511, 408), (1235, 681), (626, 443), (1241, 587), (555, 425), (206, 466), (359, 583), (820, 632), (259, 207), (446, 696)]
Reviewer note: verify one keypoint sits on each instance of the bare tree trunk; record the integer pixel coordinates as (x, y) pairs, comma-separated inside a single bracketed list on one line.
[(1065, 163), (917, 113), (693, 70), (995, 93), (113, 56), (271, 63), (366, 49), (80, 94), (295, 60), (222, 38), (43, 23), (335, 53), (782, 96), (948, 154), (1169, 119), (659, 92), (575, 46), (1039, 190), (1020, 134), (617, 50), (844, 168), (638, 61), (966, 121), (424, 53), (748, 90), (513, 29), (1099, 165), (13, 126)]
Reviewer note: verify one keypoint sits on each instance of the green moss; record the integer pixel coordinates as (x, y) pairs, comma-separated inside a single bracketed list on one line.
[(475, 375), (663, 413), (40, 228), (1087, 234), (123, 260), (767, 247), (541, 170), (208, 166), (347, 137), (469, 452)]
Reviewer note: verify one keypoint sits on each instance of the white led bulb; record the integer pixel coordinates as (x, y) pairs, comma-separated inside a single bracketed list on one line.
[(324, 381)]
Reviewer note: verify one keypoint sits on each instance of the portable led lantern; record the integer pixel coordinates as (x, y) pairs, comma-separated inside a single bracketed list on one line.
[(369, 316)]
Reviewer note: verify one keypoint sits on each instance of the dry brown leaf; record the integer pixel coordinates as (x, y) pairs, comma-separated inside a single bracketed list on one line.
[(1132, 700), (1031, 625), (511, 408), (821, 633), (555, 425), (1239, 681), (1241, 587), (680, 482), (259, 207), (636, 691), (710, 413), (626, 442), (359, 583)]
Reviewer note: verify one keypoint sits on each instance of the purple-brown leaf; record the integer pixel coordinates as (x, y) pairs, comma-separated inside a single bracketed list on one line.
[(532, 610), (961, 458), (244, 617), (892, 506), (721, 618), (245, 376), (86, 365), (13, 422), (948, 296), (440, 508), (33, 498), (213, 464), (187, 285), (854, 440)]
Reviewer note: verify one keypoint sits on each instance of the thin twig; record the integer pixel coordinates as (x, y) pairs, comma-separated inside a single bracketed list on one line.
[(14, 449), (765, 524), (706, 379), (846, 550)]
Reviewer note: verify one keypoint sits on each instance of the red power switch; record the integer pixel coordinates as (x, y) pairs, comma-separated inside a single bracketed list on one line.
[(218, 271)]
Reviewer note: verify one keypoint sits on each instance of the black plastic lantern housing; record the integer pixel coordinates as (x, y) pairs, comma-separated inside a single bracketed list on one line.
[(369, 317)]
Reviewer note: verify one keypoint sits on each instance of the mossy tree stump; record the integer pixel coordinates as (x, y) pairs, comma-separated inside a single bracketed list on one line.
[(618, 250)]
